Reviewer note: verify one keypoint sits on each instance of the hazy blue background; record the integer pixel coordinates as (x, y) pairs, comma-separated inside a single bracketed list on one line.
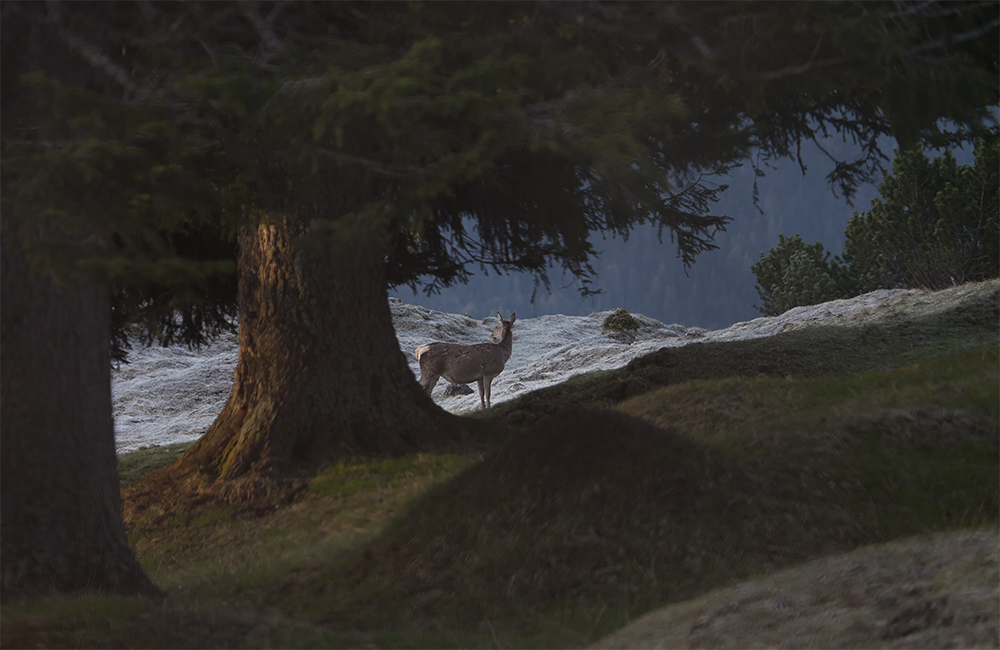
[(646, 277)]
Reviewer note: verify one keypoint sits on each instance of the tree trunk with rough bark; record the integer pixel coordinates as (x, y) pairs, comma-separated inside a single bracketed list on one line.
[(61, 515), (320, 373)]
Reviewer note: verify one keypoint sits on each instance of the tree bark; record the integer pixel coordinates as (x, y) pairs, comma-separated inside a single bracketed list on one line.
[(320, 373), (60, 507)]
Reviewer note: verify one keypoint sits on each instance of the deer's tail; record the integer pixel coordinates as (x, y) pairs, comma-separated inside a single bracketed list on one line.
[(420, 350)]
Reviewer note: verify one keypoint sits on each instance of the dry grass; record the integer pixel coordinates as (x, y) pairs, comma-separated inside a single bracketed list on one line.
[(939, 591)]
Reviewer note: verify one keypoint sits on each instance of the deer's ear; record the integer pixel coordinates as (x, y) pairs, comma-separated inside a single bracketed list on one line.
[(513, 317), (499, 317)]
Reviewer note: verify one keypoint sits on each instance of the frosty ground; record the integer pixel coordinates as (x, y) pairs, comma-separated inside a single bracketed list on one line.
[(166, 395)]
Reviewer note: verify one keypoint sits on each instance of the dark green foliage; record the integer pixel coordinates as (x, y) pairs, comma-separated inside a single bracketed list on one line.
[(528, 125), (113, 185), (936, 224), (498, 135), (795, 273), (188, 297)]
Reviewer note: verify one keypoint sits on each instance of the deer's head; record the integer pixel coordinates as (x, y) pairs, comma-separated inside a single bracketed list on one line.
[(503, 327)]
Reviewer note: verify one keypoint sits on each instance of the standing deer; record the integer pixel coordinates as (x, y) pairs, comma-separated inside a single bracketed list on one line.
[(463, 364)]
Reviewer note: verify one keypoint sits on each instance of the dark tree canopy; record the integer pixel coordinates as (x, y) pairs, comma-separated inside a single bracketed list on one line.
[(490, 134)]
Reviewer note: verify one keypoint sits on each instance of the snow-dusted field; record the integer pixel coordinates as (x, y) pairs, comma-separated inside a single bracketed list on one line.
[(168, 395)]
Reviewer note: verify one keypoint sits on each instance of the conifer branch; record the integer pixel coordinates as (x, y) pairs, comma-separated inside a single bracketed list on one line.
[(953, 9), (803, 68), (98, 60), (399, 173), (914, 8), (949, 39), (263, 27)]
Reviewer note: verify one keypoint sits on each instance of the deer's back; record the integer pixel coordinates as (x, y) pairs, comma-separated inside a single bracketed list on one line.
[(460, 364)]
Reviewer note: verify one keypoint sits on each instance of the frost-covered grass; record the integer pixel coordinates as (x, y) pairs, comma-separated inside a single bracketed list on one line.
[(762, 463), (170, 395)]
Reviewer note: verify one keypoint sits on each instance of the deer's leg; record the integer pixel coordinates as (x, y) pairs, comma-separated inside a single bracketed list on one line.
[(429, 382), (489, 387), (482, 402)]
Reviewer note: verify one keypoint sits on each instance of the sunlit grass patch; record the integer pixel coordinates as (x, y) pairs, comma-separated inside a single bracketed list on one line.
[(218, 551), (135, 465), (351, 477)]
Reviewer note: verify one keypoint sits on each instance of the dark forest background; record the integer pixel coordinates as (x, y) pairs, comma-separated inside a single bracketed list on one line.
[(646, 277)]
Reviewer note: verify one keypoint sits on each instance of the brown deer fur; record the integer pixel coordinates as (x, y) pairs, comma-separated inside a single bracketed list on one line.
[(463, 364)]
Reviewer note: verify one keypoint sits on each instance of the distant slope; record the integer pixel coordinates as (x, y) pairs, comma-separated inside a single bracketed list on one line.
[(880, 329), (168, 395)]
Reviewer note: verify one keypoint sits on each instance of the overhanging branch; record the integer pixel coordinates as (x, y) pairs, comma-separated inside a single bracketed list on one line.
[(949, 39), (389, 171), (803, 68)]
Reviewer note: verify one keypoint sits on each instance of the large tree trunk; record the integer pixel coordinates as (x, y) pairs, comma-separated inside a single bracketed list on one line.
[(320, 372), (60, 519)]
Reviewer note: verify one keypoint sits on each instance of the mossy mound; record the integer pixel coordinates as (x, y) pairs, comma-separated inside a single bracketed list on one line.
[(590, 508), (930, 591)]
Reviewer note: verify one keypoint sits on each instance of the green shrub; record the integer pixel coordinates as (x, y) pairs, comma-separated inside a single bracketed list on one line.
[(794, 273), (621, 321), (934, 225)]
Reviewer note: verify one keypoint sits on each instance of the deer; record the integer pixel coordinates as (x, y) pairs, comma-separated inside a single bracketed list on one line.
[(463, 364)]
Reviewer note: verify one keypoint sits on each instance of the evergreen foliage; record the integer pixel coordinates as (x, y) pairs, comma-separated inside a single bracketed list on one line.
[(489, 134), (111, 183), (795, 273), (936, 224)]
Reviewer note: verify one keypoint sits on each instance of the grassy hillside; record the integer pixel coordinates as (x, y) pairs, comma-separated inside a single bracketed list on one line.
[(933, 591), (697, 468), (920, 326)]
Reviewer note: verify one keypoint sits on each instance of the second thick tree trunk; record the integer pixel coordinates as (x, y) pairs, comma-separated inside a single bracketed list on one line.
[(61, 517), (320, 372)]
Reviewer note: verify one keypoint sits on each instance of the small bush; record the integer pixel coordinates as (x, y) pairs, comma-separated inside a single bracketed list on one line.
[(795, 273), (621, 321)]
